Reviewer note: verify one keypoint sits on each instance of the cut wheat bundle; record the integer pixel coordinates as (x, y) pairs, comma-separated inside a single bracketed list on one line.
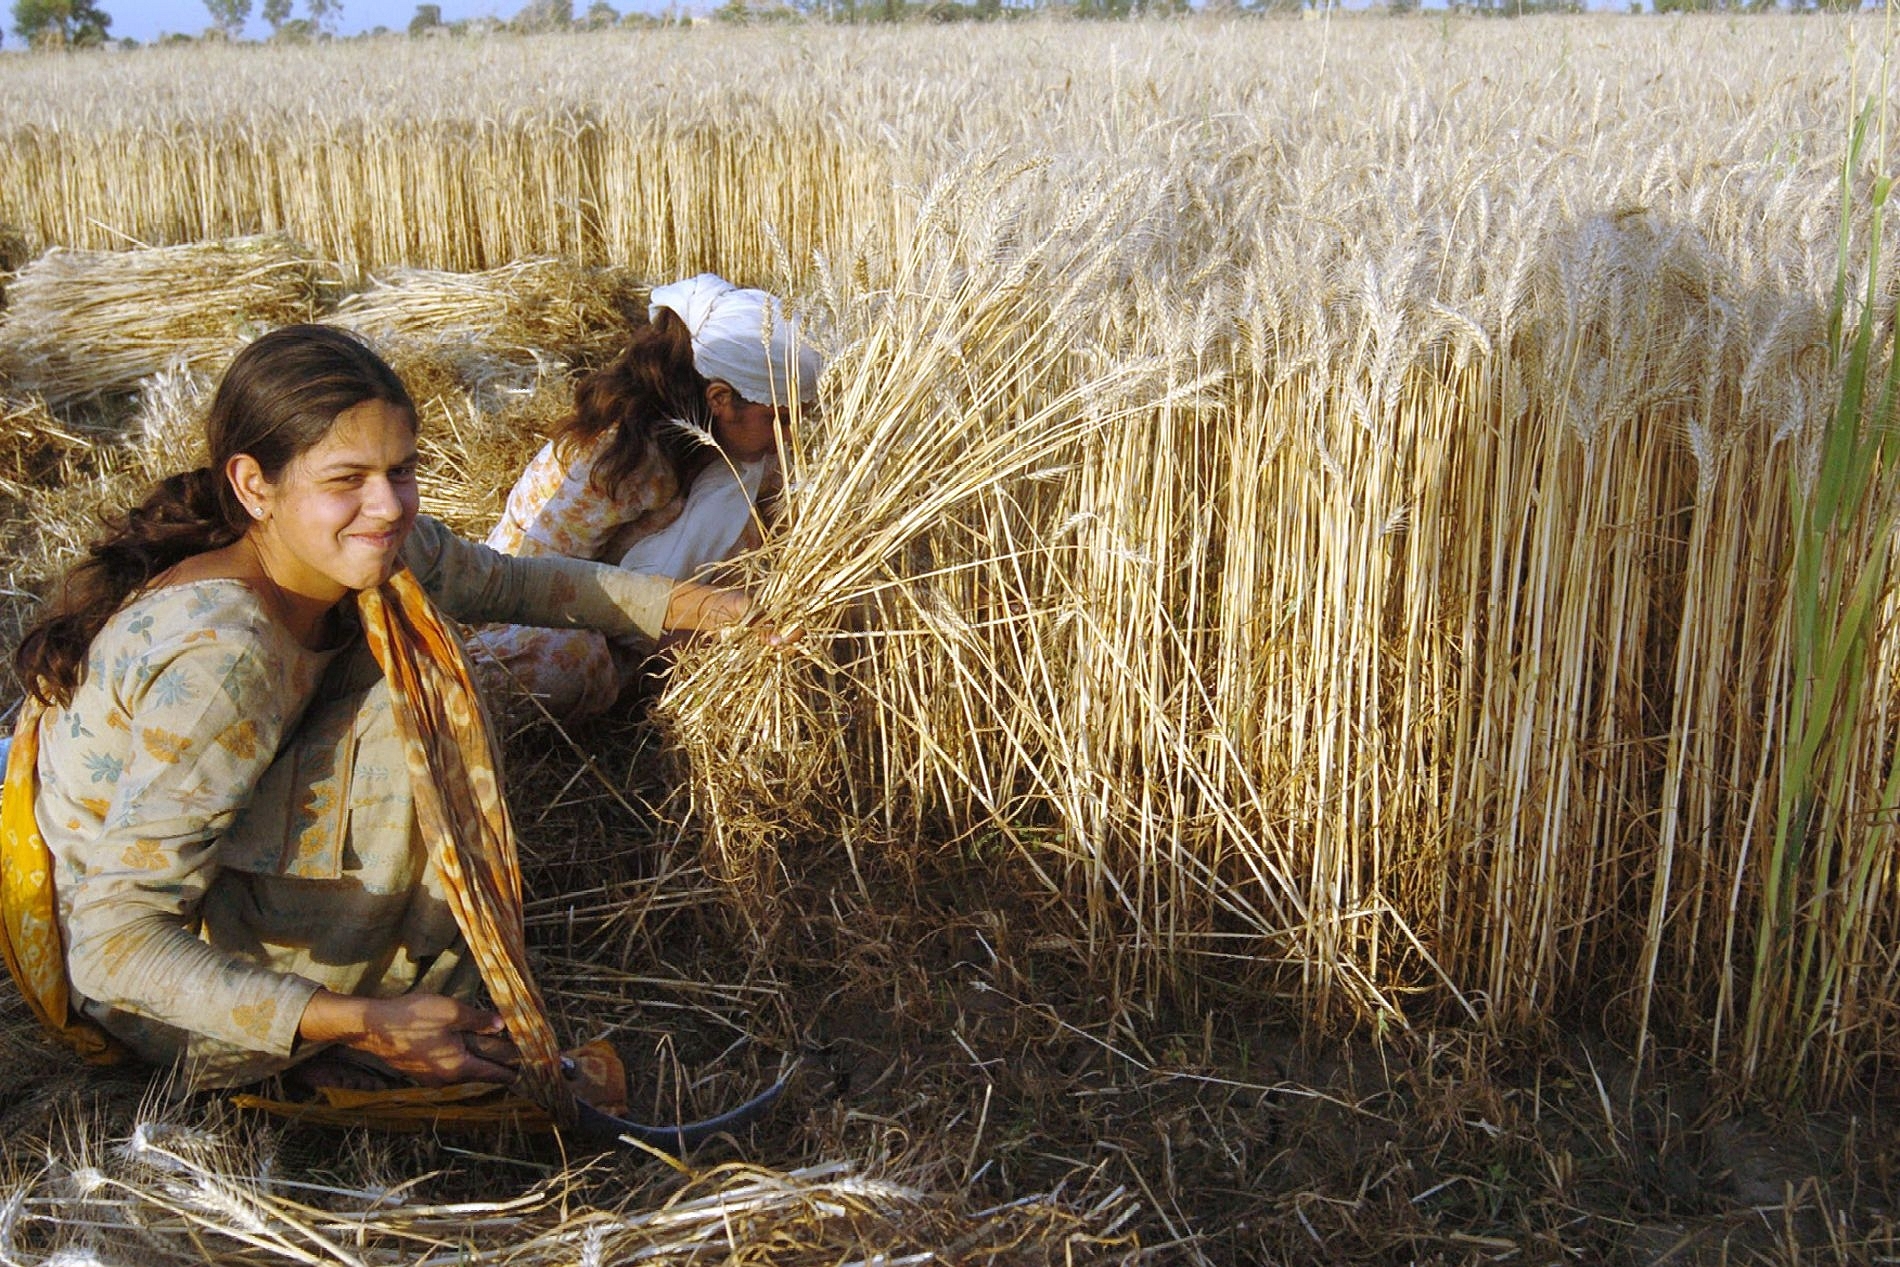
[(82, 324), (521, 312), (482, 420), (57, 500), (176, 1192)]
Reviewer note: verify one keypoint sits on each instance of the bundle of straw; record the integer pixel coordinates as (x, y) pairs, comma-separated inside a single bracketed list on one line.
[(521, 312), (57, 481), (83, 324), (175, 1193), (482, 418)]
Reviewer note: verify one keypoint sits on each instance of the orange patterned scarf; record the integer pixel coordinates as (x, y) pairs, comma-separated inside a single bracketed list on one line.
[(454, 769)]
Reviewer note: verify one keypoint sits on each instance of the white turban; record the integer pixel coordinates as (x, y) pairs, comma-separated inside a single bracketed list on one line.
[(743, 338)]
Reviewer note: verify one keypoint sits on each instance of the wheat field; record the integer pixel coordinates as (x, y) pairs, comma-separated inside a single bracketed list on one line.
[(1351, 519)]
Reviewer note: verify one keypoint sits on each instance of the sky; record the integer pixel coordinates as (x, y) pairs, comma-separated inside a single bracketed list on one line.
[(146, 20)]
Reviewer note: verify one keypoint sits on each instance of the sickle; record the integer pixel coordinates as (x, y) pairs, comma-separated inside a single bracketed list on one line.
[(607, 1131), (603, 1130)]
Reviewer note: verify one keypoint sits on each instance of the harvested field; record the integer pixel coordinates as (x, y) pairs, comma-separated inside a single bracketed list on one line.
[(1346, 705)]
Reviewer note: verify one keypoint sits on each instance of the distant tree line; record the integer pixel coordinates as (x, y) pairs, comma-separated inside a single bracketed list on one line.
[(83, 24), (60, 23), (229, 18)]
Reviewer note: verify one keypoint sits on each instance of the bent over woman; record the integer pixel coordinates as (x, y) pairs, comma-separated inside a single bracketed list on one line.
[(248, 750), (658, 468)]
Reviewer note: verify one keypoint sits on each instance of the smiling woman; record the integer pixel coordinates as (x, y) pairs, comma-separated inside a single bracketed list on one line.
[(207, 786), (345, 506)]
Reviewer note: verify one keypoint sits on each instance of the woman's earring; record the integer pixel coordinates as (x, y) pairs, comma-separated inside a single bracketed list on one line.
[(257, 512)]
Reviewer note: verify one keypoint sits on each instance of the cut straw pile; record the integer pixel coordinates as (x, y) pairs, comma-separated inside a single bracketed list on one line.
[(521, 312), (180, 1194), (82, 324), (58, 482)]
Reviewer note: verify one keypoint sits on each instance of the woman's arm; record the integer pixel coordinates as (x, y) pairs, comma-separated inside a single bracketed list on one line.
[(476, 584)]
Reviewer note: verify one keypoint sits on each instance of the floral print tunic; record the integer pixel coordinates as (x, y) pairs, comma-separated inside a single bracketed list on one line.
[(556, 509)]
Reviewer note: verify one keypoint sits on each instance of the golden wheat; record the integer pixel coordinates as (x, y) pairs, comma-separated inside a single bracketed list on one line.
[(1314, 495)]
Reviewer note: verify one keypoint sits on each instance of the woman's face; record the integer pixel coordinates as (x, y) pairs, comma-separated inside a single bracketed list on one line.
[(336, 519), (745, 430)]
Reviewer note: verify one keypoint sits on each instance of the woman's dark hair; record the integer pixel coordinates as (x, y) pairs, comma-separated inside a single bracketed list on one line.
[(277, 400), (650, 384)]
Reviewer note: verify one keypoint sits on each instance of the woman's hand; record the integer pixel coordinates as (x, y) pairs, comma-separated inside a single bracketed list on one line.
[(426, 1036), (696, 608)]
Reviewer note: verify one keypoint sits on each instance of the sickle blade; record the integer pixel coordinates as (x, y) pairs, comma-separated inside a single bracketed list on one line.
[(607, 1131)]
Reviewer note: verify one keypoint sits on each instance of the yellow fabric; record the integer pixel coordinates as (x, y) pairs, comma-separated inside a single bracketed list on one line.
[(454, 770), (29, 918)]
